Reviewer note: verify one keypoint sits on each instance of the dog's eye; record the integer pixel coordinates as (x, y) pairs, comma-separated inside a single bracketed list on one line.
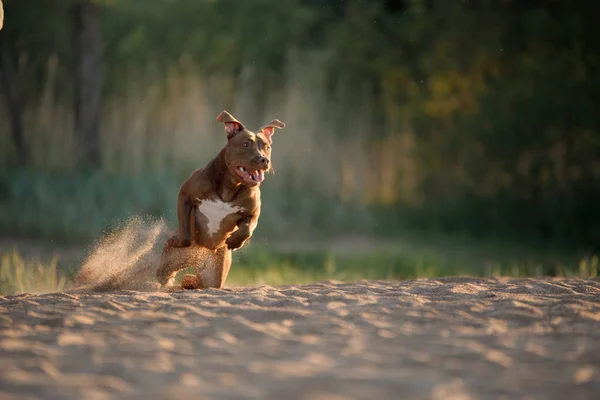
[(246, 144), (268, 148)]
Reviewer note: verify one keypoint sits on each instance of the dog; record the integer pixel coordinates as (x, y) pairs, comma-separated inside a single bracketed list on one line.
[(218, 207)]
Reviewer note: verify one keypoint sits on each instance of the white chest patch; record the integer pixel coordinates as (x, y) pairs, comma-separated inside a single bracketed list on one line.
[(215, 211)]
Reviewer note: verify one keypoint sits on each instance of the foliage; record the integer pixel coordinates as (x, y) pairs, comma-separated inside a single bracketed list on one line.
[(477, 116)]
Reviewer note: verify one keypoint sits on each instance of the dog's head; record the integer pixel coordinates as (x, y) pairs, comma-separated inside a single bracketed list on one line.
[(248, 154)]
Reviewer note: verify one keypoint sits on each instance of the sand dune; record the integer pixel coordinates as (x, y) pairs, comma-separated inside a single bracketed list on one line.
[(454, 338)]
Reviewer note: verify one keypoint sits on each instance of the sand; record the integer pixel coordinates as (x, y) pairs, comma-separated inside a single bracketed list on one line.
[(454, 338)]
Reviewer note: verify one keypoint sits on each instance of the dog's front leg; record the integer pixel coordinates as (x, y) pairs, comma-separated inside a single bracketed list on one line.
[(184, 209), (242, 234)]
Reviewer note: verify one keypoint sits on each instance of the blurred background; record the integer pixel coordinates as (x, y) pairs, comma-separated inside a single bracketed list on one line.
[(423, 138)]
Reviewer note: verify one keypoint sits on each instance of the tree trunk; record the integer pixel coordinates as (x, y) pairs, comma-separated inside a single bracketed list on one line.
[(8, 81), (88, 79)]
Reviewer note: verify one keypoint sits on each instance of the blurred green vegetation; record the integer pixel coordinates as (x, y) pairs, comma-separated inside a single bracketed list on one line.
[(259, 265), (476, 118), (18, 275)]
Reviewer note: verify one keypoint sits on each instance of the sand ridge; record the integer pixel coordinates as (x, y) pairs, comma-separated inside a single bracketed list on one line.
[(453, 338)]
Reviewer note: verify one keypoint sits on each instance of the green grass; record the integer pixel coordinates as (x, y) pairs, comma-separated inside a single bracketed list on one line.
[(261, 266), (18, 275)]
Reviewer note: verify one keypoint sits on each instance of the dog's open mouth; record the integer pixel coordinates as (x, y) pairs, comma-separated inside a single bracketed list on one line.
[(250, 177)]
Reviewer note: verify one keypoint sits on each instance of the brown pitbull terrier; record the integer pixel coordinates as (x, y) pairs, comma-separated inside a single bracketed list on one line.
[(218, 207)]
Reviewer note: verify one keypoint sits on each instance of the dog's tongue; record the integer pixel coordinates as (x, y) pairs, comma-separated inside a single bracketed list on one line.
[(258, 176)]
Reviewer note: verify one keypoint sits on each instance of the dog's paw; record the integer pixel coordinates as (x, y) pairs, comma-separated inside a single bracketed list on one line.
[(190, 282), (234, 243), (169, 243), (174, 242)]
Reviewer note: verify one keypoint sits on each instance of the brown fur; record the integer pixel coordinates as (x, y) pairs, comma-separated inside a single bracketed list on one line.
[(220, 189)]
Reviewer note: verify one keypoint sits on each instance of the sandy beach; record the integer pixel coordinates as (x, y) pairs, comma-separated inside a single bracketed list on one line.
[(453, 338)]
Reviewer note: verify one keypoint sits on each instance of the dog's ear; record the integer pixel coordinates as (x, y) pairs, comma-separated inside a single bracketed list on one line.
[(232, 125), (269, 129)]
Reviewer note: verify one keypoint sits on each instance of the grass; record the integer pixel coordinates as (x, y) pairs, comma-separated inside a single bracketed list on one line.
[(18, 275), (259, 265)]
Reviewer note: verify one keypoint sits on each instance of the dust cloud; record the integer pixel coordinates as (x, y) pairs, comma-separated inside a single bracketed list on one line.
[(125, 258)]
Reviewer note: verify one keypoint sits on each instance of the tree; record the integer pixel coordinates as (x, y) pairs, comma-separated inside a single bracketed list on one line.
[(12, 96), (88, 78)]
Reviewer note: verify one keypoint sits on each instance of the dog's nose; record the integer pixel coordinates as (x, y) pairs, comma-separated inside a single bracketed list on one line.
[(264, 161)]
